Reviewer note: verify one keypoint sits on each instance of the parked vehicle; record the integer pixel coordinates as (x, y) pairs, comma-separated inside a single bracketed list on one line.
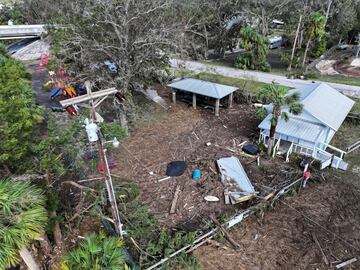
[(275, 42)]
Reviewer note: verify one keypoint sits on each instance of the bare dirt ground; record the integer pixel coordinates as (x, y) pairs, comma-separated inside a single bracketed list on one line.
[(343, 66), (347, 70), (284, 238), (182, 134)]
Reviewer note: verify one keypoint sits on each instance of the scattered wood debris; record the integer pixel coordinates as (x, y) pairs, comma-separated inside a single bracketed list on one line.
[(226, 234), (346, 263), (321, 250), (163, 179), (175, 199)]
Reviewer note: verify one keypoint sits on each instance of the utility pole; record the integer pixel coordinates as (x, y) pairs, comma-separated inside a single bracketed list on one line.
[(294, 45), (95, 99)]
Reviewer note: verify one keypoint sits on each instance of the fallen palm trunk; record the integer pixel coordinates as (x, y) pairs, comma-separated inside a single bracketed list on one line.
[(227, 225)]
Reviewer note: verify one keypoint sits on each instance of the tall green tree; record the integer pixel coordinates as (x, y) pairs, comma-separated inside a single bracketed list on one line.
[(19, 116), (23, 218), (256, 47), (314, 29), (96, 252), (278, 97)]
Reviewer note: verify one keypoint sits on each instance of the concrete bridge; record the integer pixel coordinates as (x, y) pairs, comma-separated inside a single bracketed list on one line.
[(21, 31)]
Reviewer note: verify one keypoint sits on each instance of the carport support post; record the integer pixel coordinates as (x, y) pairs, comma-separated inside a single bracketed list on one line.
[(217, 105), (173, 96), (231, 97), (194, 101)]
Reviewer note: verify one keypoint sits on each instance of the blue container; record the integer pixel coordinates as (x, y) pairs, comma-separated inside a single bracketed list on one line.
[(196, 174), (55, 92)]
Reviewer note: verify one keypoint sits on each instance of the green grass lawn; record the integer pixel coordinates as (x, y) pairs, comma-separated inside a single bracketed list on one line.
[(340, 79)]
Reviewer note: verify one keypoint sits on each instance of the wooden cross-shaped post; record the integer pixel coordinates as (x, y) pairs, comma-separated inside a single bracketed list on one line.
[(95, 100)]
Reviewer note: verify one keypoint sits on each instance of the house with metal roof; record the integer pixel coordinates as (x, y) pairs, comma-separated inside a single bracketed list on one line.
[(204, 88), (324, 110)]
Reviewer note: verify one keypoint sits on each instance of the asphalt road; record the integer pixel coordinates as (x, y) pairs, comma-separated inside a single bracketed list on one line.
[(349, 90)]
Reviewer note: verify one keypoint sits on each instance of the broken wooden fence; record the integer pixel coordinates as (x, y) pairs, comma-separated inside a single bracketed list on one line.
[(238, 218)]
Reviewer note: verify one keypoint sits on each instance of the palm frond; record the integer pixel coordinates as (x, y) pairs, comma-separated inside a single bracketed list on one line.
[(22, 218), (296, 108), (96, 252), (285, 116)]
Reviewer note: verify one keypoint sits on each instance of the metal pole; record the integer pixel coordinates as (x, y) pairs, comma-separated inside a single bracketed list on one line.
[(110, 189), (107, 174)]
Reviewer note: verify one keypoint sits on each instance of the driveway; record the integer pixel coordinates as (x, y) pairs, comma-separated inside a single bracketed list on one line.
[(349, 90)]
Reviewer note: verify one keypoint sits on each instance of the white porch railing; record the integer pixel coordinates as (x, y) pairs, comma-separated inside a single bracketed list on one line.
[(324, 157)]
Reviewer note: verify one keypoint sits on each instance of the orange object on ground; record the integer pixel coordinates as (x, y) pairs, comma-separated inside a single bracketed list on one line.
[(70, 91)]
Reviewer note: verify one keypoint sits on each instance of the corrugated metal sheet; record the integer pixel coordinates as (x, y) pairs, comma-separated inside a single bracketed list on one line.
[(204, 88), (295, 127), (325, 104), (232, 171)]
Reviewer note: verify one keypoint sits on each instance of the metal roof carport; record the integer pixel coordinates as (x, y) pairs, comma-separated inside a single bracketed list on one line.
[(204, 88)]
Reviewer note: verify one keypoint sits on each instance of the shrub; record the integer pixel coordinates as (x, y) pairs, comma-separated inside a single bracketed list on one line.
[(19, 115), (96, 252), (297, 60), (111, 130)]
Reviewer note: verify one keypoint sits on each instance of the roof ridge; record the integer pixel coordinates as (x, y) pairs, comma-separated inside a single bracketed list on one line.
[(309, 112), (216, 90), (322, 121), (312, 92)]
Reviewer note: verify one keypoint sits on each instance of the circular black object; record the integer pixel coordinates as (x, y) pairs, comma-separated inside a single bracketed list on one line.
[(251, 149), (176, 168)]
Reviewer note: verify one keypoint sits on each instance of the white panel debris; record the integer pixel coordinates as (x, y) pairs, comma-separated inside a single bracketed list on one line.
[(235, 180)]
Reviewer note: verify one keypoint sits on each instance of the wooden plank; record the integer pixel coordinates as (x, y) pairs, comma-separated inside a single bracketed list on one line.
[(226, 195), (269, 196), (175, 199), (84, 98), (164, 179), (226, 234), (321, 250), (242, 198), (346, 263)]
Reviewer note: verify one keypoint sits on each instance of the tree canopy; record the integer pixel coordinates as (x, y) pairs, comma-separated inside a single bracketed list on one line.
[(19, 116), (256, 46)]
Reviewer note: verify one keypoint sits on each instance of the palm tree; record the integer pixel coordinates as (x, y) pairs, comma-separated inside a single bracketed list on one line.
[(96, 252), (256, 47), (278, 97), (22, 219), (314, 28)]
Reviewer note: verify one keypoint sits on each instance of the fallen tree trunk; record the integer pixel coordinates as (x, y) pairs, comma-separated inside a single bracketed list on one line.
[(57, 232)]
